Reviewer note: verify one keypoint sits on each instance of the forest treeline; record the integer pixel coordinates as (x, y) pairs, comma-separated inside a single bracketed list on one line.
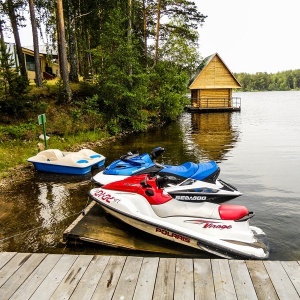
[(261, 81), (123, 64)]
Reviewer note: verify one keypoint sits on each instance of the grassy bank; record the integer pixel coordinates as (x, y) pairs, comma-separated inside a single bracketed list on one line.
[(14, 153), (92, 115), (67, 125)]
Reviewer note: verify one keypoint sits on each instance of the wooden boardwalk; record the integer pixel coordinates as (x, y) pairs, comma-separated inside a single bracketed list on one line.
[(64, 276)]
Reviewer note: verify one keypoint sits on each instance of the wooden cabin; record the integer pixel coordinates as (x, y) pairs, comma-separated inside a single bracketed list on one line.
[(211, 87), (49, 67)]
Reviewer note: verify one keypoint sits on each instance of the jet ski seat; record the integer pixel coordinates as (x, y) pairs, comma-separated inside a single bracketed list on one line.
[(208, 171), (187, 169), (174, 208)]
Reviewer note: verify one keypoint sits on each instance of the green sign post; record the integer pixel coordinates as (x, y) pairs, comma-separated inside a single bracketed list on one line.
[(42, 121)]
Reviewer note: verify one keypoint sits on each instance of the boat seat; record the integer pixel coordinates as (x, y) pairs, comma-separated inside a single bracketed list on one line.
[(205, 170), (192, 170), (175, 208), (187, 169), (88, 154), (51, 154)]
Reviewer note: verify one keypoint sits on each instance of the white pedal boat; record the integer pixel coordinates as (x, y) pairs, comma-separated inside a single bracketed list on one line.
[(75, 163)]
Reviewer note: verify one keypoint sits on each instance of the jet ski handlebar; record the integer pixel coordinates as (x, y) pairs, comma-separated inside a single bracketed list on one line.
[(160, 181), (128, 157), (156, 152), (163, 181)]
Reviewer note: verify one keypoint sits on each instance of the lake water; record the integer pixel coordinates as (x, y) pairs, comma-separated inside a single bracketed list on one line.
[(257, 150)]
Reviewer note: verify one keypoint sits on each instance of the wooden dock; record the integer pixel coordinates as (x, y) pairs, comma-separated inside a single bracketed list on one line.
[(64, 276), (97, 227), (199, 109)]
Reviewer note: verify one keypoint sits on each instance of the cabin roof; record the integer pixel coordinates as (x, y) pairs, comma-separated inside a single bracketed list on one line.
[(43, 49), (213, 73)]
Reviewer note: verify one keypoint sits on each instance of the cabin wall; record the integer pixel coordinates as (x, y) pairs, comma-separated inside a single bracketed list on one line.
[(214, 98), (211, 98), (31, 75), (55, 69)]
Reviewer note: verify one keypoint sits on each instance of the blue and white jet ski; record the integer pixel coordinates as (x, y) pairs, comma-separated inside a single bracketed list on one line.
[(186, 182), (223, 230)]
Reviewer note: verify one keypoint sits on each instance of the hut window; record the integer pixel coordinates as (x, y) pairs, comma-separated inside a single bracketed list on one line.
[(30, 62)]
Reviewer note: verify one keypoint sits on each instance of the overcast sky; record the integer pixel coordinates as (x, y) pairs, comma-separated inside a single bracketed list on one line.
[(252, 35)]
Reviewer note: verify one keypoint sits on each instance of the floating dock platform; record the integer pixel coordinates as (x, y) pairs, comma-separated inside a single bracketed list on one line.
[(95, 226)]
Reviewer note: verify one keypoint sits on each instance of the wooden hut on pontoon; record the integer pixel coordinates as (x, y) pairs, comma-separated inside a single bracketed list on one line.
[(211, 87)]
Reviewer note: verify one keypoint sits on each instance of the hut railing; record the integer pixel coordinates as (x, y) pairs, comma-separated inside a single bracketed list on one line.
[(234, 102)]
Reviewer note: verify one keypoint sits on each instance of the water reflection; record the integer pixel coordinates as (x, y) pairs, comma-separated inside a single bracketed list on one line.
[(40, 210), (209, 136), (52, 200)]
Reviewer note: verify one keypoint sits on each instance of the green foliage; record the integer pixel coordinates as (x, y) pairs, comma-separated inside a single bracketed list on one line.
[(179, 50), (281, 81), (24, 131), (13, 87), (168, 88), (124, 93), (130, 96)]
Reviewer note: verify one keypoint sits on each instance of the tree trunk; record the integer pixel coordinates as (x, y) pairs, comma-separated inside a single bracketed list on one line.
[(14, 25), (157, 32), (129, 34), (63, 50), (72, 43), (3, 62), (37, 64), (145, 31), (73, 54), (1, 31)]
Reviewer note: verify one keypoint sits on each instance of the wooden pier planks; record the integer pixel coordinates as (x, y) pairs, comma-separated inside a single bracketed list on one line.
[(65, 276)]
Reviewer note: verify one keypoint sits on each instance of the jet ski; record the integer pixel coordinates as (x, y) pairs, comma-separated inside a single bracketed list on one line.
[(222, 230), (190, 181)]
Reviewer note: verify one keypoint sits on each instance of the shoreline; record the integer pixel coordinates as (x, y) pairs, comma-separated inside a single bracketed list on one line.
[(25, 172)]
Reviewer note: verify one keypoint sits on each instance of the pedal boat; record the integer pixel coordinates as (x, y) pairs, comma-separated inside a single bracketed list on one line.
[(74, 163)]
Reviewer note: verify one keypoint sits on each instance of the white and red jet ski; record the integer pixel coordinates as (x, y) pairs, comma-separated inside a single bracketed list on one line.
[(223, 230)]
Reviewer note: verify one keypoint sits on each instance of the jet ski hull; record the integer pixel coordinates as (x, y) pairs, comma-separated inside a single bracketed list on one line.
[(189, 190), (225, 238)]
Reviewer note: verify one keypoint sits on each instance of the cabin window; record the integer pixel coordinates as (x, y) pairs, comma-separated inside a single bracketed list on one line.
[(30, 66)]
